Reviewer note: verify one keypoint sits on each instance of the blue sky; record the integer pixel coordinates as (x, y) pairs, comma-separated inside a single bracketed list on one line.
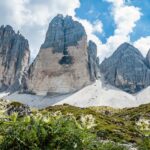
[(101, 9), (108, 23), (143, 25), (97, 9)]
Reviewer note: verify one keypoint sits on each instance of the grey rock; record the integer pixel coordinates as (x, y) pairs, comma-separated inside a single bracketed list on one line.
[(20, 109), (62, 33), (126, 69), (65, 63), (93, 61), (14, 58), (148, 58)]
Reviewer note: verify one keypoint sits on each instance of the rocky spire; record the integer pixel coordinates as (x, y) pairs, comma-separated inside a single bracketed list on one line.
[(93, 61), (62, 65), (62, 33), (14, 58)]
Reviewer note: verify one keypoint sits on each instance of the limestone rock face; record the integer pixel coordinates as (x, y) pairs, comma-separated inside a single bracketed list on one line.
[(14, 58), (62, 33), (62, 65), (126, 69), (93, 61)]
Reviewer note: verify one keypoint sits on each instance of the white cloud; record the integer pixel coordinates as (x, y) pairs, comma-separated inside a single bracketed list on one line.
[(15, 14), (116, 3), (125, 18), (32, 17), (90, 30), (143, 44), (97, 26)]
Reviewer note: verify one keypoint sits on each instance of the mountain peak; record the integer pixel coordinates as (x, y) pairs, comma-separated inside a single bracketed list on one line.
[(126, 69), (63, 32), (125, 44), (127, 48), (7, 27), (65, 62)]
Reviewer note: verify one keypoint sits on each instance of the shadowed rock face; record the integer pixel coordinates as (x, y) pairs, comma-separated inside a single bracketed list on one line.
[(62, 65), (126, 69), (14, 58)]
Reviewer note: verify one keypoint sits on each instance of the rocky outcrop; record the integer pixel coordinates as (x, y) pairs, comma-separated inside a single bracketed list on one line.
[(62, 65), (93, 61), (126, 69), (20, 109), (14, 58)]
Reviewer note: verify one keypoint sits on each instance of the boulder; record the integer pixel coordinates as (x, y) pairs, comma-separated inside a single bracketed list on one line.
[(20, 109)]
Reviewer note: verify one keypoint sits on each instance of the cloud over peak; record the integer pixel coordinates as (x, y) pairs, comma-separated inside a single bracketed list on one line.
[(32, 17)]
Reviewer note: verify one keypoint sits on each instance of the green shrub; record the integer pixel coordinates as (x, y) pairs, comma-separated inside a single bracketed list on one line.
[(50, 131)]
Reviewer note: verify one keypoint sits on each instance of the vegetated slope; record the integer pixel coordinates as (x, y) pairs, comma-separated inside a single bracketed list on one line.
[(53, 125), (118, 125)]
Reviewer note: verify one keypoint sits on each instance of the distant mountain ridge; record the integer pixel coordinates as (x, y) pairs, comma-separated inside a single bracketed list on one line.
[(127, 69)]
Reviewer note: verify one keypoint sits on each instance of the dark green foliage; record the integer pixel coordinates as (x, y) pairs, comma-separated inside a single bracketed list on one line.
[(51, 131)]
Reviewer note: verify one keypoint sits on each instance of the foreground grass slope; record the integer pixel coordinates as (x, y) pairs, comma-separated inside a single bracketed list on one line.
[(118, 125), (68, 127)]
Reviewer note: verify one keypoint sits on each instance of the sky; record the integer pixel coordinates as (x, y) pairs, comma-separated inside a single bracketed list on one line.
[(108, 23)]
